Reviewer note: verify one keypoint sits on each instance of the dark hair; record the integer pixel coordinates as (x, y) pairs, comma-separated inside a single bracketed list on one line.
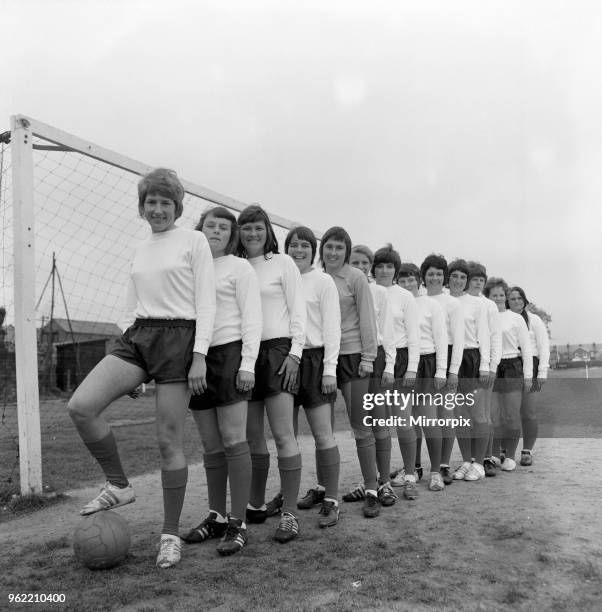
[(302, 233), (475, 269), (364, 250), (252, 214), (458, 265), (163, 182), (410, 269), (219, 212), (520, 291), (495, 282), (434, 261), (336, 233), (387, 254)]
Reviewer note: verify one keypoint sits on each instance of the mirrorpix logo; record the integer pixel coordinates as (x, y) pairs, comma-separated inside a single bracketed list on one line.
[(394, 400)]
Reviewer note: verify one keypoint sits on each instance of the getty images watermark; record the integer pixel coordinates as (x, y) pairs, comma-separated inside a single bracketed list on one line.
[(396, 400)]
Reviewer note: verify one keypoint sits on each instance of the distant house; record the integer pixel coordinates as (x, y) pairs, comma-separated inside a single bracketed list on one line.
[(82, 331), (77, 347)]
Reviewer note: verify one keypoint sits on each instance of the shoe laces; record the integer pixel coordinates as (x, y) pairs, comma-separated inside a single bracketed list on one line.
[(288, 522), (326, 508), (371, 500), (232, 531), (169, 548)]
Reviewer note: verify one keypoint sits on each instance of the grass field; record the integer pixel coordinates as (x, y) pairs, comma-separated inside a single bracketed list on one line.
[(529, 540)]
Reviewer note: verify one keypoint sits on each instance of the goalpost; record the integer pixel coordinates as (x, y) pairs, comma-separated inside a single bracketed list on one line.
[(77, 199)]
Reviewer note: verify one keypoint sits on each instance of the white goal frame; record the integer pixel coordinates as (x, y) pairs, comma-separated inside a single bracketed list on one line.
[(23, 131)]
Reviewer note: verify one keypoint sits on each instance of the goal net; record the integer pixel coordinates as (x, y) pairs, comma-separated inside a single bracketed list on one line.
[(69, 215)]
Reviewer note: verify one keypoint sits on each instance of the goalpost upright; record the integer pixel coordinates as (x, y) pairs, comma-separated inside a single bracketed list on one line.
[(28, 136)]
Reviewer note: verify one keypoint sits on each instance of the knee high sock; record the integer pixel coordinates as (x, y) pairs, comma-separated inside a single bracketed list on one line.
[(433, 443), (447, 444), (418, 431), (480, 441), (290, 480), (106, 454), (238, 458), (329, 461), (510, 441), (366, 453), (319, 471), (174, 488), (530, 431), (216, 470), (260, 466), (407, 446), (489, 450), (383, 457), (464, 435)]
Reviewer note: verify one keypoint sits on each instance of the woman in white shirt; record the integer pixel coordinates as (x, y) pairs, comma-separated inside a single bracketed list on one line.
[(540, 345), (430, 375), (514, 373), (382, 376), (167, 328), (221, 411), (282, 342), (317, 390)]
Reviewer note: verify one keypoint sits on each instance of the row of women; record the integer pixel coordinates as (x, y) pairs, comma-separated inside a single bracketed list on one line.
[(232, 329)]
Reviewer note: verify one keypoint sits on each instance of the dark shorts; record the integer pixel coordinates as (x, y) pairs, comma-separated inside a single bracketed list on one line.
[(509, 376), (450, 348), (348, 368), (311, 370), (425, 375), (378, 369), (401, 364), (223, 362), (468, 374), (161, 347), (272, 354)]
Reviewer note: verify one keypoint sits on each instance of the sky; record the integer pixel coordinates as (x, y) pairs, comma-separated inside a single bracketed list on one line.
[(467, 128)]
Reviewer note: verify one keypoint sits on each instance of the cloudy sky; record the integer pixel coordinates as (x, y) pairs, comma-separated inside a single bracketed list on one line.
[(468, 128)]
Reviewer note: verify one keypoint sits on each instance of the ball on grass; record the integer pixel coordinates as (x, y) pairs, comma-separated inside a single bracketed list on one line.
[(101, 540)]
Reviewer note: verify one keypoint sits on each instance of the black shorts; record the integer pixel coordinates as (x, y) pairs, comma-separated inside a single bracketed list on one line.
[(161, 347), (450, 349), (272, 354), (223, 363), (401, 363), (468, 374), (509, 376), (377, 371), (311, 370), (348, 368), (425, 375)]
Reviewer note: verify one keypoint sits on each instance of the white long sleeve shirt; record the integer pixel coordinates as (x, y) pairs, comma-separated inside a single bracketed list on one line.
[(516, 341), (454, 320), (495, 333), (404, 314), (476, 327), (282, 303), (540, 343), (384, 325), (433, 332), (238, 312), (172, 277), (323, 317)]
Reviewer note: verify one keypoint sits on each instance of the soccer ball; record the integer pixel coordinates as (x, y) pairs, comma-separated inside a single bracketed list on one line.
[(101, 540)]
